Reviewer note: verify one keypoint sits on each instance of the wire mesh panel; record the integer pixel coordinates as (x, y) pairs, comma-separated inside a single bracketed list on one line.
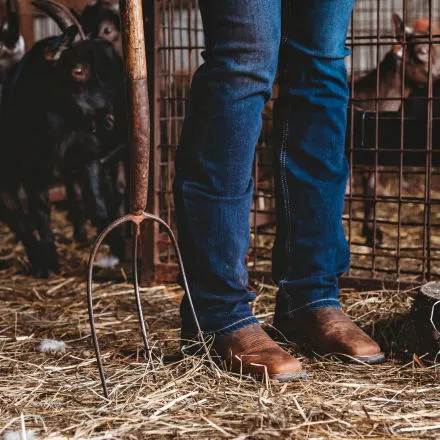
[(179, 43), (392, 213)]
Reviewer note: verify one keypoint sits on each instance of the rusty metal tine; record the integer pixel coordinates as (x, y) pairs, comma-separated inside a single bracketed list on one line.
[(93, 253), (137, 220), (138, 298), (184, 282)]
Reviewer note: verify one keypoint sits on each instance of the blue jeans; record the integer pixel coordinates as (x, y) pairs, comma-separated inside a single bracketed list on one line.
[(246, 41)]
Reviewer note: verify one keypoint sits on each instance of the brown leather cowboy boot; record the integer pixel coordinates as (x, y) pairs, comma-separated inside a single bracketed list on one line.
[(251, 351), (330, 330)]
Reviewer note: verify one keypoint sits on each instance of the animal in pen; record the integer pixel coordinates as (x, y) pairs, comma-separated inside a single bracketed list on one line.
[(377, 100), (12, 46), (61, 112), (101, 19), (396, 73)]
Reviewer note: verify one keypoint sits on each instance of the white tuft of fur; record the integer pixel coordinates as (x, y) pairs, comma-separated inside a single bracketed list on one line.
[(51, 346), (18, 435), (106, 261)]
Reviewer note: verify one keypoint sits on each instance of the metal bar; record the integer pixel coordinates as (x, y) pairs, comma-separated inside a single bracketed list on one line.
[(137, 295)]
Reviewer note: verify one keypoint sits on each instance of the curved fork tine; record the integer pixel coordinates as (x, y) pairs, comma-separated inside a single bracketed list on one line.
[(138, 298), (135, 219), (99, 240), (185, 285)]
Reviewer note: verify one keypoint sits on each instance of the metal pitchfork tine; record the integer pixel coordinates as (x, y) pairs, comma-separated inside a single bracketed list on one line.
[(139, 121)]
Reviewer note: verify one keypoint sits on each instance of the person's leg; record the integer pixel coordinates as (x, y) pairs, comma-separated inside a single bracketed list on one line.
[(311, 251), (213, 185)]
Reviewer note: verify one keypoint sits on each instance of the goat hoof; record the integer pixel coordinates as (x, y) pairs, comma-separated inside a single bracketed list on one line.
[(368, 233), (80, 235), (48, 260), (33, 254)]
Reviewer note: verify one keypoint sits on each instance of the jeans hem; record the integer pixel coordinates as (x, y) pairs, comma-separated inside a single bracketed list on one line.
[(237, 325), (313, 305)]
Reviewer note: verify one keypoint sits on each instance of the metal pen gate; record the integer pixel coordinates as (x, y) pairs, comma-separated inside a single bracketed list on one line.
[(406, 199)]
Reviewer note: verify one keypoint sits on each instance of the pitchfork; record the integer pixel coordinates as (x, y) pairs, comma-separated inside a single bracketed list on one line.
[(139, 124)]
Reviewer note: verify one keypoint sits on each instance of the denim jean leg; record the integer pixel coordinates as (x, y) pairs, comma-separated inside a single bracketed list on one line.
[(311, 251), (213, 185)]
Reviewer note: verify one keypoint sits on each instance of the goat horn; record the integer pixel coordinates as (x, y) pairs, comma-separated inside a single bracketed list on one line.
[(62, 16)]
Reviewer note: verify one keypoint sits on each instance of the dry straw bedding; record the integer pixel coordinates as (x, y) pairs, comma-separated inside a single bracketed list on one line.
[(60, 396)]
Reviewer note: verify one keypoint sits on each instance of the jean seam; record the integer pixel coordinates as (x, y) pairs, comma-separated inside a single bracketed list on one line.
[(230, 325), (333, 300), (286, 195), (283, 156), (285, 22)]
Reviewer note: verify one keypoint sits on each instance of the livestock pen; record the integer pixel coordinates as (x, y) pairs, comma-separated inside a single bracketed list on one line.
[(405, 198), (54, 391)]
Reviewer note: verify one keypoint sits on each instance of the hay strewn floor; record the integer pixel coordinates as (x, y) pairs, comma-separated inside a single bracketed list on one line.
[(60, 397)]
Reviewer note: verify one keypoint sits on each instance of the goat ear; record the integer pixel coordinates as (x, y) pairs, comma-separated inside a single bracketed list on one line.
[(13, 24), (398, 27), (13, 30), (54, 50)]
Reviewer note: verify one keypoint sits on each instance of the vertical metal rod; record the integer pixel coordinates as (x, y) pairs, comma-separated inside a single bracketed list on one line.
[(93, 253), (157, 82), (376, 142), (138, 297), (171, 74), (351, 151), (184, 281), (402, 145), (428, 206)]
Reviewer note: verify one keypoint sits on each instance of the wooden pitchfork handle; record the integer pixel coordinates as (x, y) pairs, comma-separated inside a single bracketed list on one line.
[(135, 64)]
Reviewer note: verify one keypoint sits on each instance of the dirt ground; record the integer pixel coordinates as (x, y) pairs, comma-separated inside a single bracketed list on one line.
[(59, 396)]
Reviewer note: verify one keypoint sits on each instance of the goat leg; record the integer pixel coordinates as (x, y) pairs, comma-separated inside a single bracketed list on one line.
[(114, 191), (11, 212), (98, 196), (39, 211), (368, 230), (75, 207)]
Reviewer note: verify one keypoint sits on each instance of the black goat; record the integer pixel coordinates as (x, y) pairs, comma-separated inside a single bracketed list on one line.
[(62, 110), (11, 41), (101, 19)]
